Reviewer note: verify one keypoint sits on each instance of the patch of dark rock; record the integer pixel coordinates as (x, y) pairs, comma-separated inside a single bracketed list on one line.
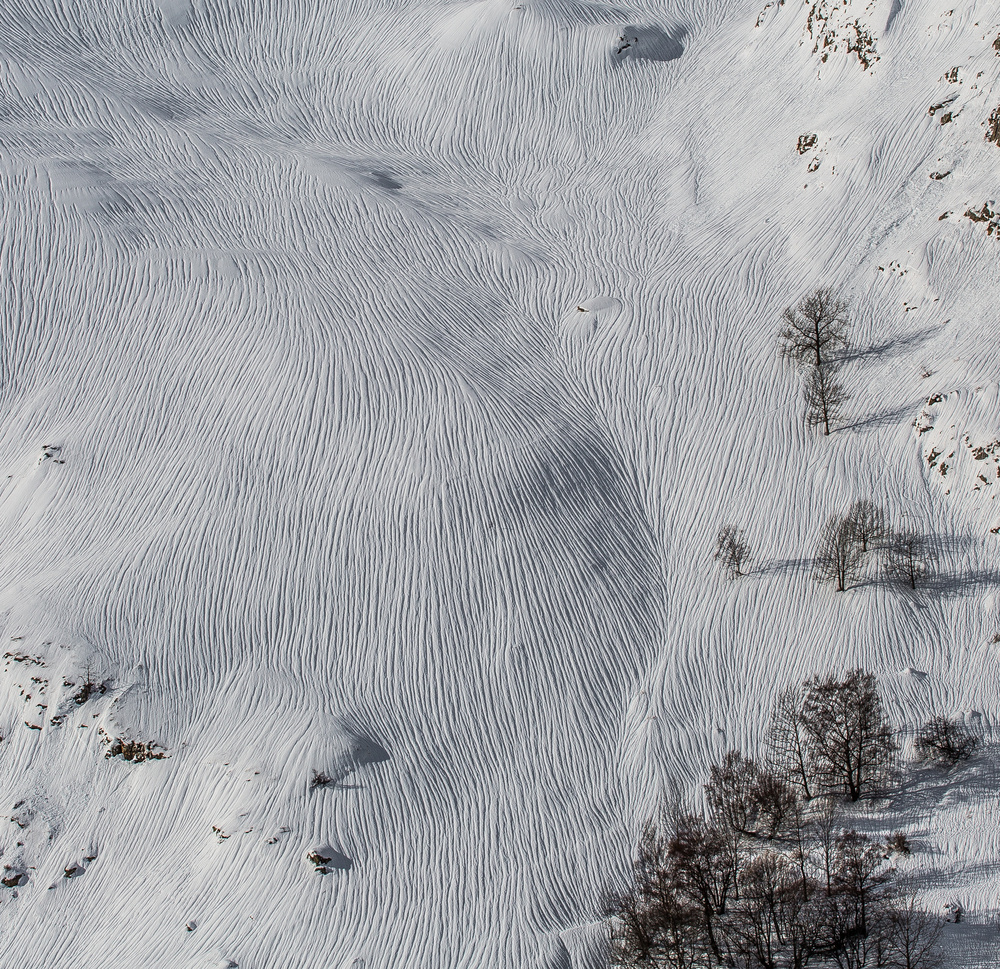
[(993, 127)]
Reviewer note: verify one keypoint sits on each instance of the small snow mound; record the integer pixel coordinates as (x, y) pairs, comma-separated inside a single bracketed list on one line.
[(598, 304), (649, 43), (591, 315), (325, 860), (914, 674), (585, 945), (365, 750), (894, 11), (566, 12)]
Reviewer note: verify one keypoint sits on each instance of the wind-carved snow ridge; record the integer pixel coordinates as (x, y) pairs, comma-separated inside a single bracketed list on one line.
[(375, 380)]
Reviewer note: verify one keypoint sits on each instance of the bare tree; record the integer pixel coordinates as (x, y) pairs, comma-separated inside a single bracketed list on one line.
[(945, 741), (839, 555), (788, 742), (911, 937), (707, 865), (908, 557), (731, 550), (868, 522), (816, 327), (651, 926), (746, 798), (860, 873), (770, 923), (851, 744), (824, 395), (824, 829), (852, 912)]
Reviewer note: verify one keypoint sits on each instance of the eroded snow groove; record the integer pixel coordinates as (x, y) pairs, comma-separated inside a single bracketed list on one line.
[(375, 378)]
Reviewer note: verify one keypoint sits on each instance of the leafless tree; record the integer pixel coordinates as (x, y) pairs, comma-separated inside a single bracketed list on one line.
[(911, 937), (852, 747), (867, 519), (770, 923), (860, 874), (945, 741), (746, 798), (731, 550), (788, 742), (824, 829), (707, 865), (651, 926), (816, 327), (908, 557), (824, 396), (839, 555)]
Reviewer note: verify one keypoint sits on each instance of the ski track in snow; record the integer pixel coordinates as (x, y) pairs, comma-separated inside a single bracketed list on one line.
[(403, 363)]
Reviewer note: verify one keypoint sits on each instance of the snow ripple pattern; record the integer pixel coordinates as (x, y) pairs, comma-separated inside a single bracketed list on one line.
[(395, 365)]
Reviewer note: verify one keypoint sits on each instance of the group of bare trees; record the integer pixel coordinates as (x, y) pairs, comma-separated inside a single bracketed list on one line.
[(767, 877), (707, 896), (847, 547), (849, 542), (812, 333)]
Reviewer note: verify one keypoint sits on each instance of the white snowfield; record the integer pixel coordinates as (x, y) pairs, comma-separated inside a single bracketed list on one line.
[(375, 377)]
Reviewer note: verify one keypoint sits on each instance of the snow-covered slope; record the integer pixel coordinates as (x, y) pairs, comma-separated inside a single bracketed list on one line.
[(375, 377)]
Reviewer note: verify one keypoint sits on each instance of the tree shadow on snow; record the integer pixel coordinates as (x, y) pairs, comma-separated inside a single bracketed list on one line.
[(957, 583), (783, 566), (893, 347), (884, 419)]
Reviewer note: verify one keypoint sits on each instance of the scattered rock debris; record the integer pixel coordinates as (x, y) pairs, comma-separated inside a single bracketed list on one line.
[(993, 126), (13, 878), (133, 750), (986, 213), (940, 106), (52, 452), (828, 35)]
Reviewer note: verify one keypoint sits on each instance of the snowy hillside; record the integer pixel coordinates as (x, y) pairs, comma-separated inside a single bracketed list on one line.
[(375, 378)]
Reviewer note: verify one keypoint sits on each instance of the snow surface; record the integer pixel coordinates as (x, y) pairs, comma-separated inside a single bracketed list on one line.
[(375, 377)]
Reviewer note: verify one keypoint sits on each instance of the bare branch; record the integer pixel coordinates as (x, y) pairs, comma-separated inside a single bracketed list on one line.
[(868, 522)]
